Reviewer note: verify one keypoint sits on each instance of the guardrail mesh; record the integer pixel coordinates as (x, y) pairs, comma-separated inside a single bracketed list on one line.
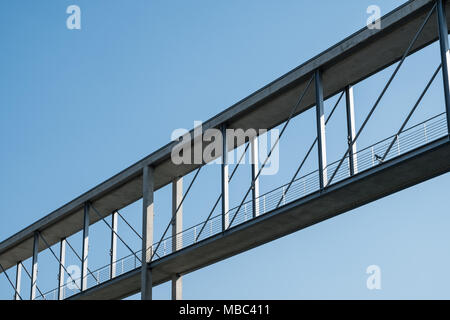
[(367, 158)]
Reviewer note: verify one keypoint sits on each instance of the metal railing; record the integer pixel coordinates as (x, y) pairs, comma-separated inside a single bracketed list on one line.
[(367, 158)]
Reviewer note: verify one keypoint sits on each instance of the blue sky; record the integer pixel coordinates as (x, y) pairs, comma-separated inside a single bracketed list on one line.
[(78, 106)]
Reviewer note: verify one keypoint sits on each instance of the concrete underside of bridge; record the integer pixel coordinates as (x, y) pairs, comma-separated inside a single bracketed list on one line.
[(348, 62), (397, 174)]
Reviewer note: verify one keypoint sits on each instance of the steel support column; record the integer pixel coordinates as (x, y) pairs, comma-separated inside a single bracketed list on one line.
[(62, 262), (147, 231), (85, 253), (225, 179), (445, 55), (18, 281), (255, 168), (113, 249), (351, 131), (177, 227), (321, 142), (34, 265)]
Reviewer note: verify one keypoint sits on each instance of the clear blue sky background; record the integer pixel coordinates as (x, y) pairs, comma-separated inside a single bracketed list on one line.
[(76, 107)]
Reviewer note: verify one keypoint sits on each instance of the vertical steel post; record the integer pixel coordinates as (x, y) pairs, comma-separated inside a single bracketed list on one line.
[(177, 227), (225, 179), (113, 249), (18, 281), (351, 131), (62, 262), (445, 55), (321, 142), (34, 265), (255, 169), (85, 252), (147, 232)]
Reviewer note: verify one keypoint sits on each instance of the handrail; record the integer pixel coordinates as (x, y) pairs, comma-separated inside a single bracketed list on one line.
[(429, 130)]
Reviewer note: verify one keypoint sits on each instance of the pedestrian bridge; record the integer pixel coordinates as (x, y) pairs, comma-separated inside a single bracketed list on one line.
[(413, 153)]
